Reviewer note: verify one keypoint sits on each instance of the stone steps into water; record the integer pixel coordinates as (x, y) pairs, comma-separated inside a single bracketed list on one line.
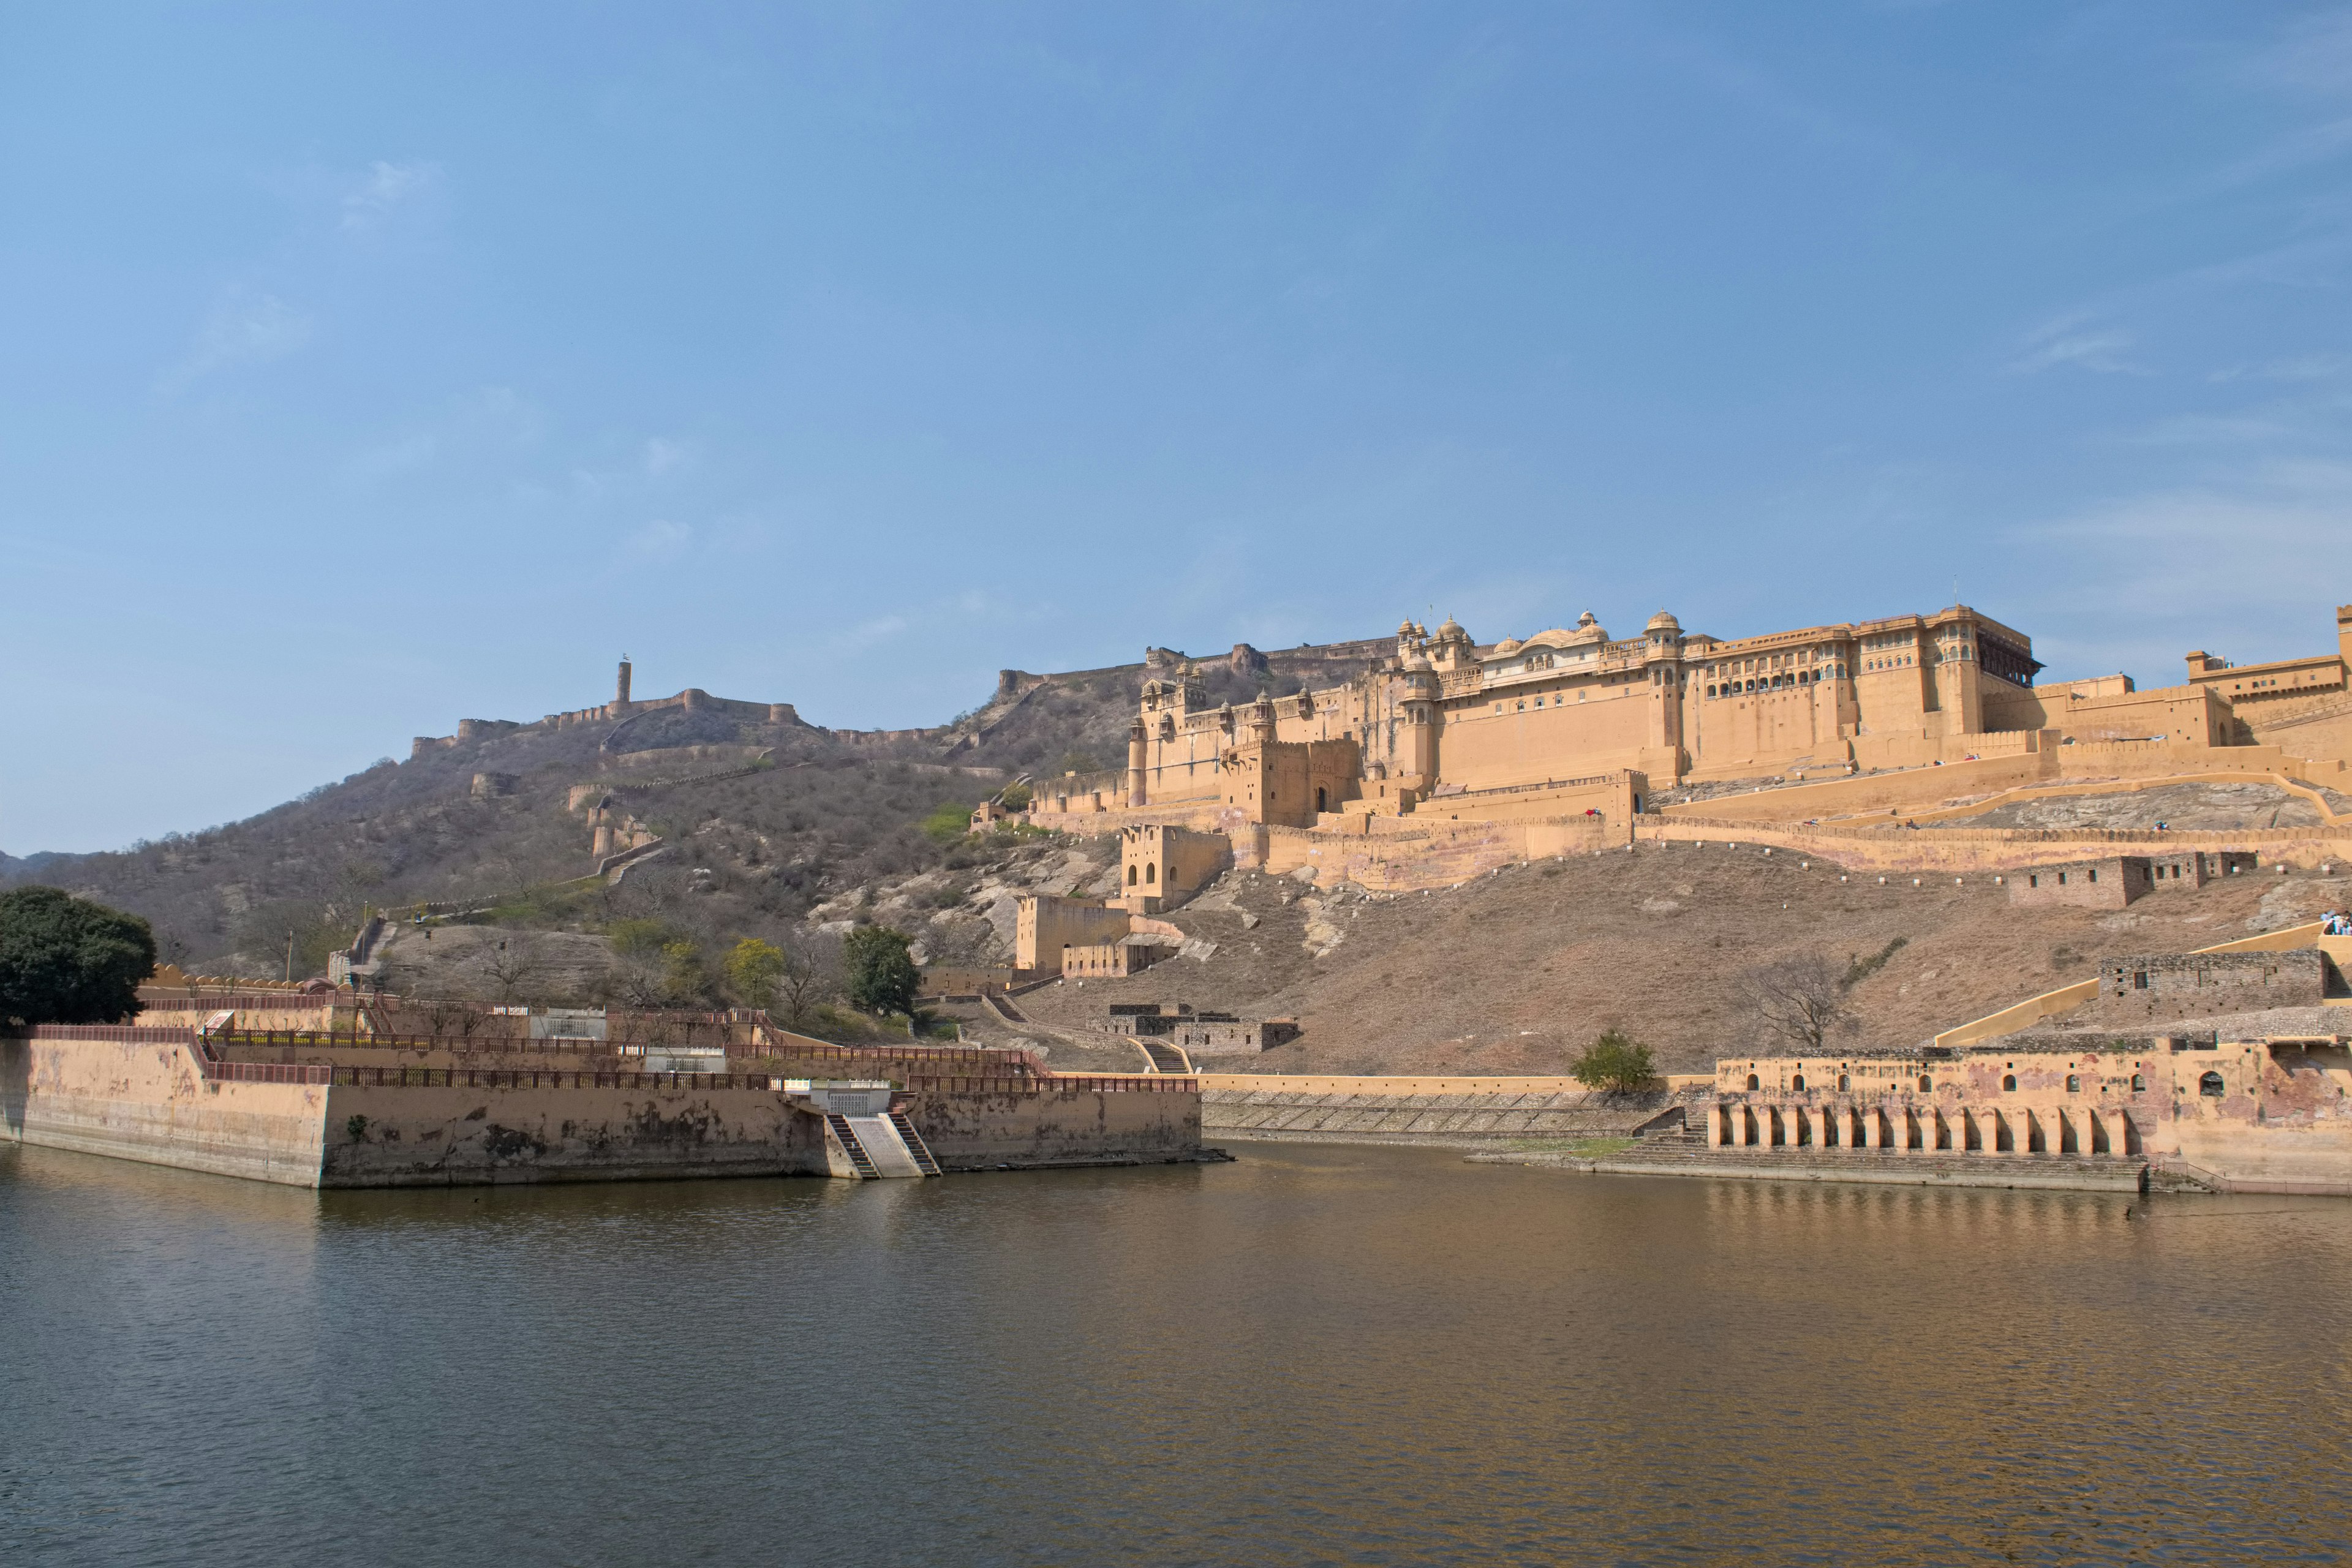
[(1678, 1156), (1320, 1115)]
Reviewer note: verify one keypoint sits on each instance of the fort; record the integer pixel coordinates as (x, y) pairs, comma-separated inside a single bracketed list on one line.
[(1447, 756)]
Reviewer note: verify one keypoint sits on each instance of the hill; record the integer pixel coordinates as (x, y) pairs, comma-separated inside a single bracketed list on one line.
[(763, 820), (1514, 971)]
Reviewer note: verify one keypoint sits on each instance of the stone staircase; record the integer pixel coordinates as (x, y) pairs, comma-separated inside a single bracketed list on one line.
[(915, 1144)]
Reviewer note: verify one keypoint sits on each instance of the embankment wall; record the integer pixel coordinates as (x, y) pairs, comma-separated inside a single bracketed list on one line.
[(565, 1127), (142, 1094), (990, 1124), (370, 1116)]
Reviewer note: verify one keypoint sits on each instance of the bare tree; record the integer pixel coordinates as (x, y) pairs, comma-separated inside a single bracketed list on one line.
[(516, 963), (812, 973), (1802, 1000)]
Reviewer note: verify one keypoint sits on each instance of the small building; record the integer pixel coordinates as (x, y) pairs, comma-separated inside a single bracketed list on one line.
[(1204, 1034), (1044, 925), (2293, 978), (2118, 879), (1160, 867), (1110, 959)]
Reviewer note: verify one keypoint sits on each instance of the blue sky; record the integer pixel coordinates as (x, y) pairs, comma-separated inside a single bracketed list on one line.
[(369, 367)]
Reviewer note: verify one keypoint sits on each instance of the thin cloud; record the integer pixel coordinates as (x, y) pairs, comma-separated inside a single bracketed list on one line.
[(2302, 367), (2101, 350), (661, 540), (383, 189), (240, 330), (662, 456)]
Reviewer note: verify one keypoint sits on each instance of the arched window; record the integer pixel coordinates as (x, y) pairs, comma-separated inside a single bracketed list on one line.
[(1151, 872), (1753, 1083), (1319, 799), (2009, 1080), (1926, 1084), (1130, 876), (1844, 1082), (2138, 1083), (2073, 1084), (2211, 1086), (1798, 1083)]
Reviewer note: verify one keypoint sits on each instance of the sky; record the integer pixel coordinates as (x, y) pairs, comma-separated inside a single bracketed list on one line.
[(366, 368)]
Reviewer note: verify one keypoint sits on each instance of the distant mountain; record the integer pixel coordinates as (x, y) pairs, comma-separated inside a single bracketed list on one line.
[(764, 817)]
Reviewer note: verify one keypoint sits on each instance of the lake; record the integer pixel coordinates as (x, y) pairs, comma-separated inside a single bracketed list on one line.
[(1315, 1354)]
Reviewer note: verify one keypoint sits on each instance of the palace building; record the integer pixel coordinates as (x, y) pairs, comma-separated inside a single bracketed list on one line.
[(1446, 716)]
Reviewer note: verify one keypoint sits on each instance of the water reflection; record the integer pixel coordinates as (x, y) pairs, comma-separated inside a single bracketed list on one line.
[(1317, 1353)]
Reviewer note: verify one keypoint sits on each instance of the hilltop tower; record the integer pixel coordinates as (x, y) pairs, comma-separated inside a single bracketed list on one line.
[(621, 690)]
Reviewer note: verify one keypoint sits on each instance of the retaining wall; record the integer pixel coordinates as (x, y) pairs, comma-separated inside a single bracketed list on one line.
[(992, 1124), (144, 1094)]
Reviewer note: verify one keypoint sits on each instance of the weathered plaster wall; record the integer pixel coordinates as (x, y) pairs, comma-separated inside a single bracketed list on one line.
[(653, 1130), (1063, 1122), (142, 1096)]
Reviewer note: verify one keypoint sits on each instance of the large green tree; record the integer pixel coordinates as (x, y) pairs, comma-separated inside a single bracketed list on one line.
[(882, 975), (1616, 1063), (65, 959)]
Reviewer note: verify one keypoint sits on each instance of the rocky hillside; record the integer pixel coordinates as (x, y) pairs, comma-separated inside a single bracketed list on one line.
[(828, 826), (1513, 971)]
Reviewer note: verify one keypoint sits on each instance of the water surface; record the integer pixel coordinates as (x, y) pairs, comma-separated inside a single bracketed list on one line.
[(1317, 1354)]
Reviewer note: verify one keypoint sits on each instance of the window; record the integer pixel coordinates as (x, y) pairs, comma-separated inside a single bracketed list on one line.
[(2211, 1086), (2139, 979), (2008, 1082), (2139, 1084), (1926, 1084), (1753, 1082), (2033, 882), (2095, 876), (2073, 1084), (1130, 876), (1151, 873), (1844, 1082)]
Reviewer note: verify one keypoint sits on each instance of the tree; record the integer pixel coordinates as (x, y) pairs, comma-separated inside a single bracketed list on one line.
[(1802, 1000), (812, 972), (514, 964), (684, 978), (753, 970), (65, 959), (882, 975), (1616, 1062), (1015, 797)]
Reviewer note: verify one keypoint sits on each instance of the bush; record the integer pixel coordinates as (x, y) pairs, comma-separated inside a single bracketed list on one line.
[(1616, 1063), (948, 822), (1016, 798), (882, 975), (65, 959)]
